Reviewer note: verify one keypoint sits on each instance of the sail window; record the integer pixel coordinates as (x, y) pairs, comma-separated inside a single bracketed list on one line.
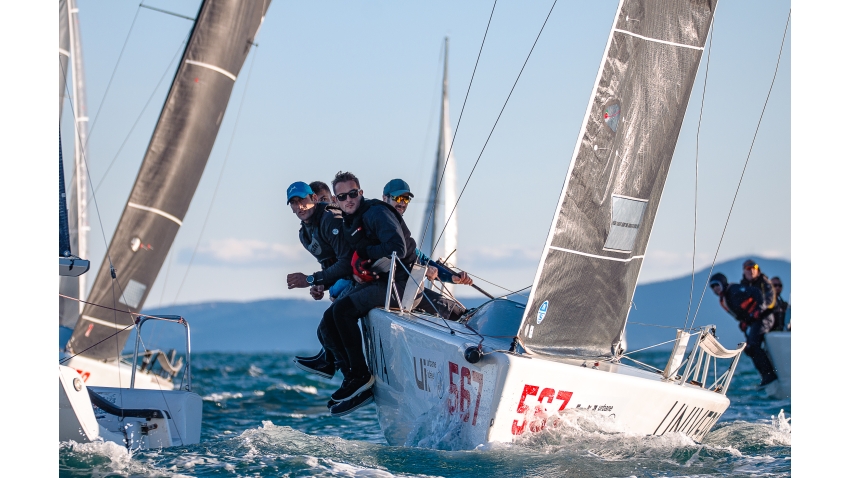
[(133, 294), (626, 216)]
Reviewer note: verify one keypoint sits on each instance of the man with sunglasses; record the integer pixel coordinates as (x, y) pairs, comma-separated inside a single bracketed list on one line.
[(761, 321), (321, 224), (781, 309), (397, 194), (374, 230)]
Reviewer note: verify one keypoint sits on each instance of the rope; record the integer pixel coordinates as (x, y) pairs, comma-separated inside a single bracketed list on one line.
[(696, 176), (457, 127), (752, 144), (434, 246)]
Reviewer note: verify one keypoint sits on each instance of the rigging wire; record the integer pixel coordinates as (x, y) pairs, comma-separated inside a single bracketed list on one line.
[(220, 174), (112, 76), (434, 246), (144, 108), (696, 173), (457, 126), (752, 144)]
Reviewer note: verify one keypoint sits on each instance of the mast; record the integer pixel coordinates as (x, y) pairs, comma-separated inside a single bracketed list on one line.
[(69, 311), (441, 202), (583, 290), (174, 162)]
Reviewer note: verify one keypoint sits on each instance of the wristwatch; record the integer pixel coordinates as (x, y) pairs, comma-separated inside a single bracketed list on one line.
[(310, 279)]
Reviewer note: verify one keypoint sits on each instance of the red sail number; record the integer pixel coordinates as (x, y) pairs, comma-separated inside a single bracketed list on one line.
[(547, 394), (460, 393)]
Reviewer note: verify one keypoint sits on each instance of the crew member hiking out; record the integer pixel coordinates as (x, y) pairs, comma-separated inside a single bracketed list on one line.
[(780, 312), (397, 194), (745, 303), (374, 230), (321, 225)]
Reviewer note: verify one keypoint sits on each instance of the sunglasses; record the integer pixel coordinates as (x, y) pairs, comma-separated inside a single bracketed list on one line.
[(401, 199), (777, 285), (351, 194)]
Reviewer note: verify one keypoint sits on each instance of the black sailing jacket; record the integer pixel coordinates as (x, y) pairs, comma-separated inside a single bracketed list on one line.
[(322, 237), (377, 230)]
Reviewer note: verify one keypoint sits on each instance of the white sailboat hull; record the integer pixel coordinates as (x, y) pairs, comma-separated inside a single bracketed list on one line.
[(178, 423), (426, 392), (778, 345), (114, 373)]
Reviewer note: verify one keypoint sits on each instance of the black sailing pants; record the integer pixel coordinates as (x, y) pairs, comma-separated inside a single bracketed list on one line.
[(755, 337)]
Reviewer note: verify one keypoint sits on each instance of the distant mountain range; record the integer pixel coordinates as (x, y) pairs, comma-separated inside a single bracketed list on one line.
[(288, 325)]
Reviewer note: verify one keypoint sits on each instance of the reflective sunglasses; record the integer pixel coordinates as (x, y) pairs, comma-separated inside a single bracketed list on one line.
[(401, 199), (352, 194)]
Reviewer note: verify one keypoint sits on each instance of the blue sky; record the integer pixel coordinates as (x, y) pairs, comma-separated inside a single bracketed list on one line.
[(354, 85)]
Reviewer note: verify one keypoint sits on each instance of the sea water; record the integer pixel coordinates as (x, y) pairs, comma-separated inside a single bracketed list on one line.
[(265, 417)]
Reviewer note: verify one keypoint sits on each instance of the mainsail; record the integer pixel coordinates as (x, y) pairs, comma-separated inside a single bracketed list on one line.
[(586, 278), (177, 154), (64, 51), (443, 193), (78, 225)]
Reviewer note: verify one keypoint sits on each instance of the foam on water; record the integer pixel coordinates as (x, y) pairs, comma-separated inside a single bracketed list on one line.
[(264, 417)]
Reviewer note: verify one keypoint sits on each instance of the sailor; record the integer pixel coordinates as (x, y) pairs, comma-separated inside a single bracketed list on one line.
[(320, 234), (323, 192), (397, 194), (375, 231), (780, 312), (745, 303)]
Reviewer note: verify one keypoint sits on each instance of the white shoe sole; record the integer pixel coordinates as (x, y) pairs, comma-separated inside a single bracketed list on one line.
[(360, 390), (358, 406), (312, 370)]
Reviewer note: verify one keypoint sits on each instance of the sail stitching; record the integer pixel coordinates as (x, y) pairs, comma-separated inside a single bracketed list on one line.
[(594, 255), (658, 41), (213, 68), (155, 211)]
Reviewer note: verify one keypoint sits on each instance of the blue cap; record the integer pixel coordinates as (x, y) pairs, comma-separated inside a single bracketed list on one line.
[(397, 187), (298, 188)]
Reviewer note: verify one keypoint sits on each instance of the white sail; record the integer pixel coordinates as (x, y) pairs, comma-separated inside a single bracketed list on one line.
[(69, 311), (442, 198)]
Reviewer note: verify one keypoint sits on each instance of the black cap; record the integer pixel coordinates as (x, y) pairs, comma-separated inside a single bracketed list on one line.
[(750, 263), (718, 278)]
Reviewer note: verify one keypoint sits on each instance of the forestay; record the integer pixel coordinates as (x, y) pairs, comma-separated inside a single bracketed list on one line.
[(586, 278), (175, 159)]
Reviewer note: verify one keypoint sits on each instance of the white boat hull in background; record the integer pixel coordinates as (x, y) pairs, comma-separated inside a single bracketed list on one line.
[(178, 423), (428, 394), (778, 345), (114, 373)]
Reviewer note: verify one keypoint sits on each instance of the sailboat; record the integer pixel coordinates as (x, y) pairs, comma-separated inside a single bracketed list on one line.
[(508, 368), (443, 191), (131, 417), (221, 39), (778, 347)]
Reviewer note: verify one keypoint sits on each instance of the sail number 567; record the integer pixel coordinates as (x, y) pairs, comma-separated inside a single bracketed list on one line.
[(460, 398)]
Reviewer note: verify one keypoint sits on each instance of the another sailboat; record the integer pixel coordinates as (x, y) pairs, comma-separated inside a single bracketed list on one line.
[(778, 346), (221, 39), (137, 419), (470, 381), (439, 220)]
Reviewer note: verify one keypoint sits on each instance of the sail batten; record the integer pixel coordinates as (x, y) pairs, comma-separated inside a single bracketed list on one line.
[(171, 170), (587, 275)]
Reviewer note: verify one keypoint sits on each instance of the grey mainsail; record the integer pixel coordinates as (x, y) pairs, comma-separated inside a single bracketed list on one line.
[(174, 162), (78, 224), (442, 196), (586, 278)]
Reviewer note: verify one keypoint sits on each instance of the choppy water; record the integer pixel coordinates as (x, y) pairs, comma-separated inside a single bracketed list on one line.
[(264, 417)]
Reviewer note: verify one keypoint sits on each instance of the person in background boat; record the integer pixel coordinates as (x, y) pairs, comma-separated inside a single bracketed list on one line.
[(780, 311), (762, 320), (375, 231), (746, 302), (323, 192), (397, 194), (321, 224)]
